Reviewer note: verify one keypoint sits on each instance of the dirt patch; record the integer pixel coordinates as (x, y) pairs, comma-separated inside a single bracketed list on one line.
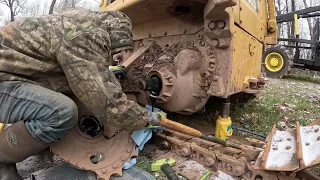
[(154, 58)]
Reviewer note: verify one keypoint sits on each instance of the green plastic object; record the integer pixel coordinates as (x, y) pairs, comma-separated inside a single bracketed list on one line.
[(206, 175), (156, 166)]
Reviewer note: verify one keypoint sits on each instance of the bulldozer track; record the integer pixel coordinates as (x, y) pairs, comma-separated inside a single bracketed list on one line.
[(245, 164)]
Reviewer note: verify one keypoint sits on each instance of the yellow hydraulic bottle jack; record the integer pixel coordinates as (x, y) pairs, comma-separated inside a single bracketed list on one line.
[(1, 127), (223, 124)]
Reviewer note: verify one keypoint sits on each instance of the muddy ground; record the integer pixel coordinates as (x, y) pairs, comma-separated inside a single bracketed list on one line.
[(287, 100)]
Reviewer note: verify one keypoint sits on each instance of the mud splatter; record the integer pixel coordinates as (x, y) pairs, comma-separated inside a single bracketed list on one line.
[(153, 59)]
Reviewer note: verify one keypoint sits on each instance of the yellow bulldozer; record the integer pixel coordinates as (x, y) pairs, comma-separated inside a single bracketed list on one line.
[(186, 51)]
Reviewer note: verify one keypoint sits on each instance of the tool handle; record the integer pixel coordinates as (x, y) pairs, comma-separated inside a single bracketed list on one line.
[(1, 127), (169, 172), (179, 127)]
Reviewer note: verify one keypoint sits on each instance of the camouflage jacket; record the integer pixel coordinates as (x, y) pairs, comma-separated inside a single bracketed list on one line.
[(70, 53)]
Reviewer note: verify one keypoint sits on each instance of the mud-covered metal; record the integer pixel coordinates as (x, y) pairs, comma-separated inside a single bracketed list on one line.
[(244, 164), (200, 48), (103, 156), (291, 150)]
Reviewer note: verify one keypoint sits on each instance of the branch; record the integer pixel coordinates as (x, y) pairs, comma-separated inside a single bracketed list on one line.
[(52, 6)]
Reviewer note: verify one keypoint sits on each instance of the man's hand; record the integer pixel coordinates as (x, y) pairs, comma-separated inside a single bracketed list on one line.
[(119, 71), (155, 118)]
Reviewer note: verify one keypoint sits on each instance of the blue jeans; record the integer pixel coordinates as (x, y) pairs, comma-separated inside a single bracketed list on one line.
[(48, 115)]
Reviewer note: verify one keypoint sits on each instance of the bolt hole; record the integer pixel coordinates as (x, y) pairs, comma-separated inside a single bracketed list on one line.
[(94, 159), (167, 45), (90, 125), (258, 177), (182, 8)]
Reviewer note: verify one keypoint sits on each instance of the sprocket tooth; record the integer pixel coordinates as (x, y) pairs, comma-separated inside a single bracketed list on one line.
[(97, 154)]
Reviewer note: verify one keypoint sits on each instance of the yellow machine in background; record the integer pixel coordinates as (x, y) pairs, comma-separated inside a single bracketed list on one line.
[(214, 46), (222, 41)]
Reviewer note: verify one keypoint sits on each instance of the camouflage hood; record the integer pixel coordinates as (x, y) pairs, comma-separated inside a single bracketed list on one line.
[(119, 27), (116, 23)]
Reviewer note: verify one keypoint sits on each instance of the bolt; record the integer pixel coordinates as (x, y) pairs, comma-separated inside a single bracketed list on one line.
[(141, 44), (165, 144), (229, 167), (212, 59), (221, 24), (123, 159), (210, 161), (252, 162), (215, 42), (115, 166), (240, 21), (211, 25), (202, 43), (240, 8), (128, 149), (318, 138), (209, 51), (200, 36), (307, 143), (185, 151), (170, 80), (104, 171), (212, 65), (288, 147), (316, 130), (275, 148), (222, 42)]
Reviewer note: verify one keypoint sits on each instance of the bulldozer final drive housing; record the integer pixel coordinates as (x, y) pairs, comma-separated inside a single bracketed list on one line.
[(186, 51)]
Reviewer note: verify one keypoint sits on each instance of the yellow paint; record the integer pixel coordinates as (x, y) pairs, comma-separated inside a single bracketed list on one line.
[(243, 63), (296, 25), (223, 128), (274, 62), (248, 17), (1, 127)]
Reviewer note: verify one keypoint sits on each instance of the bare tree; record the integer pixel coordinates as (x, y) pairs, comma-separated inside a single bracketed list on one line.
[(66, 4), (16, 7), (52, 6), (308, 20)]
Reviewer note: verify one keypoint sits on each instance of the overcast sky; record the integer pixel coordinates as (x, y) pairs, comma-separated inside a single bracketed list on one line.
[(94, 4), (44, 5)]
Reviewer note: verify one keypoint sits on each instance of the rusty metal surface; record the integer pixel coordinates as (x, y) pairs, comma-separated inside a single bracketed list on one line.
[(228, 160), (104, 157), (235, 162), (291, 150), (213, 55)]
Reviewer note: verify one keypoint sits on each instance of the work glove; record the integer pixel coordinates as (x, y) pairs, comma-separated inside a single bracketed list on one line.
[(155, 118), (119, 71)]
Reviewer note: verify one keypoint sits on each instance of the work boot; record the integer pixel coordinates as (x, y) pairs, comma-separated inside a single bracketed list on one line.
[(16, 144)]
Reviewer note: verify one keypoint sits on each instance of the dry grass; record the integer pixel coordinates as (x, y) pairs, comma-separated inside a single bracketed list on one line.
[(286, 101)]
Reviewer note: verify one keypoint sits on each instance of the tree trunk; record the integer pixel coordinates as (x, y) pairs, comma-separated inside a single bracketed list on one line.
[(11, 14), (278, 10), (309, 21), (52, 6), (289, 29)]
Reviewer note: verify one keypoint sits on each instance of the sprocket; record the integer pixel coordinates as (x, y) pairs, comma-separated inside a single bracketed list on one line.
[(88, 149)]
